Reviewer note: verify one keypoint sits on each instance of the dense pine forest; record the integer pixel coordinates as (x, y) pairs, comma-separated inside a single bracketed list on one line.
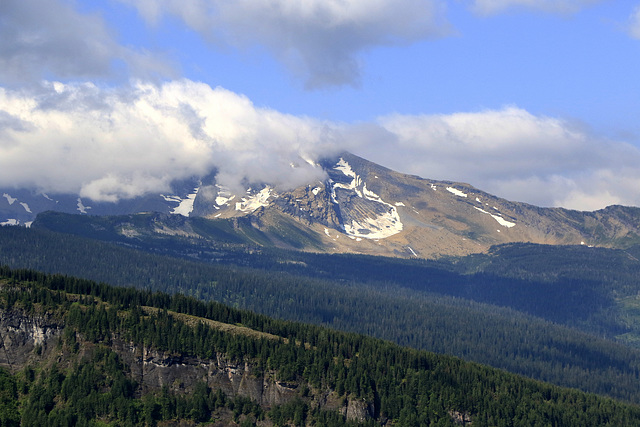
[(375, 305), (82, 376)]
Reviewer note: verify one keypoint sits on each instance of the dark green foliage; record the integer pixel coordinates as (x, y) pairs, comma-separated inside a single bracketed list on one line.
[(9, 415), (386, 298), (409, 387), (97, 388), (94, 388)]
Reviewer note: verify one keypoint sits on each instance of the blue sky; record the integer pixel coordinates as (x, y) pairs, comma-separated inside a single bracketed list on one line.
[(534, 101)]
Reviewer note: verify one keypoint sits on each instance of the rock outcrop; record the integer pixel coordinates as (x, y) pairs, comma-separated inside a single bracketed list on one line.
[(30, 339)]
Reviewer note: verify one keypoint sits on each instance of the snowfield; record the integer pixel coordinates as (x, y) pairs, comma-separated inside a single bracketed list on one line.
[(252, 203), (378, 227), (498, 218), (81, 207), (186, 205), (456, 192)]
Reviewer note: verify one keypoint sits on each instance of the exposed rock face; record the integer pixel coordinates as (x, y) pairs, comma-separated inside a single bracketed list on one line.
[(28, 339), (359, 410), (363, 208), (155, 369), (460, 418), (25, 338)]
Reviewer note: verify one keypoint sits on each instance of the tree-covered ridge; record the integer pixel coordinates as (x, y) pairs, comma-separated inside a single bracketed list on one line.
[(491, 335), (402, 386)]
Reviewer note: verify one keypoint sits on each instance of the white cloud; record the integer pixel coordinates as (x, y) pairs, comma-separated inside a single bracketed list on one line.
[(108, 144), (511, 153), (41, 38), (319, 40), (490, 7), (111, 144), (634, 23)]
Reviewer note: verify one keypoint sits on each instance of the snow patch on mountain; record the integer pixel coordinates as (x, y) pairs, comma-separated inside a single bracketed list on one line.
[(173, 199), (503, 221), (355, 183), (375, 228), (26, 207), (498, 218), (10, 221), (252, 203), (186, 205), (456, 192), (378, 227), (9, 198), (81, 207), (221, 200), (12, 200), (224, 196)]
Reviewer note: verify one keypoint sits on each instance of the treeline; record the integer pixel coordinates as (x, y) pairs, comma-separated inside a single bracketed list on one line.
[(496, 336), (403, 386)]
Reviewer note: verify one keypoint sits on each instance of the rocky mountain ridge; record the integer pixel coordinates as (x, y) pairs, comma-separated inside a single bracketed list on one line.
[(362, 207)]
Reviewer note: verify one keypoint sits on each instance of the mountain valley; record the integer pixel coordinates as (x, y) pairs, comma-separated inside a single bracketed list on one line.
[(547, 293)]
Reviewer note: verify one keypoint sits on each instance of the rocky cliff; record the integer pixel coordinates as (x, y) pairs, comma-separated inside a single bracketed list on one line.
[(36, 339)]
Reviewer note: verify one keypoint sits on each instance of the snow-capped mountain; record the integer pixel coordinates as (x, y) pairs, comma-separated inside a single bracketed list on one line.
[(360, 207), (366, 208)]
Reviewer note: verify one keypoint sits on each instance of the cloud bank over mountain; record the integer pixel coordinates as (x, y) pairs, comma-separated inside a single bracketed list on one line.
[(112, 144), (515, 154)]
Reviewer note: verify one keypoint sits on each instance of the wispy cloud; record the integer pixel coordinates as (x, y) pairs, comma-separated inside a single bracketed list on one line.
[(634, 23), (490, 7), (318, 40)]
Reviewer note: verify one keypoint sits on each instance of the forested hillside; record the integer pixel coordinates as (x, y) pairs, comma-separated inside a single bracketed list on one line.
[(578, 286), (375, 306), (80, 372)]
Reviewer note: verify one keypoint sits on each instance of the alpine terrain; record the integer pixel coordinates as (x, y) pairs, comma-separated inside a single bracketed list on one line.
[(360, 207)]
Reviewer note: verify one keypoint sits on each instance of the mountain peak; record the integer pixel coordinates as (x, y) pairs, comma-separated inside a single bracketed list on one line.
[(360, 207)]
